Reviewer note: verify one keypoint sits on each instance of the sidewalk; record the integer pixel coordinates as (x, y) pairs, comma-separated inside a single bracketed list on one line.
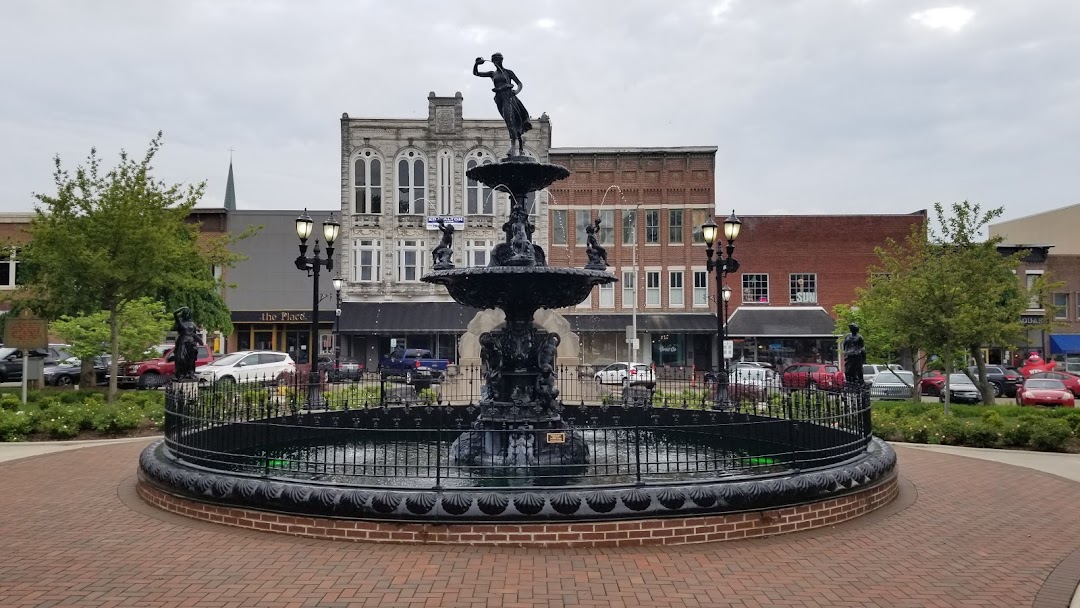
[(23, 449), (1062, 465)]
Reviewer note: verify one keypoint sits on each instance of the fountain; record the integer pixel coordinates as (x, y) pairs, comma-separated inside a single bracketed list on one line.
[(365, 462)]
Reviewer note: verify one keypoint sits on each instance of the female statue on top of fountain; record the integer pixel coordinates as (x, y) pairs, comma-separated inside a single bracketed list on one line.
[(506, 100)]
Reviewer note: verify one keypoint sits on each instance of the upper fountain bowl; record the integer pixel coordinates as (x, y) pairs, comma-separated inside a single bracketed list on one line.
[(518, 176)]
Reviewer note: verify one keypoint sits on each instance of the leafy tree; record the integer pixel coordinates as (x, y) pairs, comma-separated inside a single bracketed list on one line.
[(946, 291), (142, 324), (107, 238)]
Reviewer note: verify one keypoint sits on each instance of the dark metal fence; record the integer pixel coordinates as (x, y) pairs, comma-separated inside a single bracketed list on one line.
[(374, 431)]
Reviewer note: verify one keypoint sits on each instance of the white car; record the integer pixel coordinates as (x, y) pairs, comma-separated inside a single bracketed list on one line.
[(619, 371), (246, 366), (871, 370)]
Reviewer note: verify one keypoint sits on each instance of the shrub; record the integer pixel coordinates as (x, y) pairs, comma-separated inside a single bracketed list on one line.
[(953, 431), (64, 421), (1050, 435), (15, 425), (983, 435), (1019, 434), (10, 401), (117, 417)]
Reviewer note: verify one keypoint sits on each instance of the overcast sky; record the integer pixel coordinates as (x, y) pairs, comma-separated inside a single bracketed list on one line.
[(817, 106)]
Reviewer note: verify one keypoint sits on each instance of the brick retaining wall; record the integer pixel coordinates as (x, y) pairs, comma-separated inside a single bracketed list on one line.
[(670, 531)]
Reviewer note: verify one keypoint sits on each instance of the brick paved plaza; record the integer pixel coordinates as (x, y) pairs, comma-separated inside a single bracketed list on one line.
[(964, 532)]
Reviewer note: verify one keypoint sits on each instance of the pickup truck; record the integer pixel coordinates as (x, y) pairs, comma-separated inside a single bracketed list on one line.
[(153, 373), (412, 364)]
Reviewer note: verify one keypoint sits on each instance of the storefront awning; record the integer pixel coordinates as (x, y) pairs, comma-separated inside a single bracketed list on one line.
[(1064, 344), (781, 322), (673, 323), (389, 318)]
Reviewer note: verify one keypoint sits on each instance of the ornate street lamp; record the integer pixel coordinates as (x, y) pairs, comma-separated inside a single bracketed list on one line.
[(312, 265), (338, 284), (723, 264)]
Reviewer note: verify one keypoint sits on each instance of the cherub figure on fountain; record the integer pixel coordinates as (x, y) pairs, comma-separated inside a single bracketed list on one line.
[(597, 254), (442, 257)]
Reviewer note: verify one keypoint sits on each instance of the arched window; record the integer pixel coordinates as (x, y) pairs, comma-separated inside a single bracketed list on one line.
[(479, 199), (367, 182), (411, 183), (445, 175)]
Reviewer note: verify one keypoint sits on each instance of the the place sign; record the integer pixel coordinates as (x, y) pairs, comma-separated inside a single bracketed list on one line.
[(279, 316), (457, 221)]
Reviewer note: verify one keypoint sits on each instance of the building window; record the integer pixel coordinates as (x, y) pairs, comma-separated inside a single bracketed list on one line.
[(607, 296), (411, 183), (582, 222), (1031, 277), (675, 226), (1061, 306), (803, 288), (755, 288), (701, 288), (367, 183), (558, 227), (629, 226), (607, 227), (652, 288), (9, 269), (477, 253), (587, 303), (411, 255), (629, 289), (652, 225), (367, 260), (697, 218), (676, 295), (445, 172), (479, 199)]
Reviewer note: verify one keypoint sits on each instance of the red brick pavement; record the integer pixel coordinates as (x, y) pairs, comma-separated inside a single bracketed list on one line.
[(979, 534)]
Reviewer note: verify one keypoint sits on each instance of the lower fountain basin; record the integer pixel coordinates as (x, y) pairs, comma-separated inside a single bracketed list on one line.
[(519, 287)]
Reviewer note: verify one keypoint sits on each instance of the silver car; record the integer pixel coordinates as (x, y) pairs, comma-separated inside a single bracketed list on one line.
[(961, 389), (893, 384)]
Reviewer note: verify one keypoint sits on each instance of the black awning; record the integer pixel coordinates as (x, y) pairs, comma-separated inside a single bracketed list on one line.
[(777, 322), (675, 323), (405, 317)]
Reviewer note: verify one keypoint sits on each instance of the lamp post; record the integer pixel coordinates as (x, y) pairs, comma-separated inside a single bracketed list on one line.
[(338, 284), (723, 264), (312, 265)]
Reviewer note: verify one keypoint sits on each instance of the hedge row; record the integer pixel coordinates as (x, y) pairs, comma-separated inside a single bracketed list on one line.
[(1006, 426), (65, 414)]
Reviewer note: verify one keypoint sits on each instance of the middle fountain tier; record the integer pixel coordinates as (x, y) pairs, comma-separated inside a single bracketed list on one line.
[(519, 433)]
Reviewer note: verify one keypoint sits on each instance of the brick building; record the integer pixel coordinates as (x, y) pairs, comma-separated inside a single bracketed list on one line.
[(13, 233)]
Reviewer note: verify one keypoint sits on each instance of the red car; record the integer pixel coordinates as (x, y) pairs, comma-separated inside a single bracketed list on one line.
[(931, 383), (1037, 390), (805, 375), (1071, 381)]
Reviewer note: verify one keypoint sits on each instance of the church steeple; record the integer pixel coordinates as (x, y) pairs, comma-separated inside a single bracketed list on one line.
[(230, 189)]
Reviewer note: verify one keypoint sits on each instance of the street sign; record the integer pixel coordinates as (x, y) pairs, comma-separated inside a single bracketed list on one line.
[(729, 349), (393, 342), (634, 343), (26, 332), (629, 332)]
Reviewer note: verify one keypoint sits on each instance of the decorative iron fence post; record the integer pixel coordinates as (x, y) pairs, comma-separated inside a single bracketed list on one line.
[(438, 446)]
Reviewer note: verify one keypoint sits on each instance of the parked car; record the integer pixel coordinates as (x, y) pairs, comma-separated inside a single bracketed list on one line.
[(1040, 390), (931, 383), (1071, 381), (413, 365), (961, 390), (153, 373), (621, 370), (750, 383), (68, 371), (893, 384), (1003, 380), (246, 366), (871, 370), (808, 375), (11, 364), (343, 368)]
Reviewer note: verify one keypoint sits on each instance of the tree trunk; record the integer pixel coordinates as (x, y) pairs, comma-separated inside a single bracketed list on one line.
[(982, 382), (948, 370), (86, 373), (114, 338)]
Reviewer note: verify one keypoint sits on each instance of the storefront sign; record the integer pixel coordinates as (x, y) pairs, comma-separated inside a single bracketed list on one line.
[(1031, 319), (280, 316), (457, 221), (668, 348)]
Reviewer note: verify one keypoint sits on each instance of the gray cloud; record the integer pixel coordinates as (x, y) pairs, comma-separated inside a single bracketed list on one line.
[(837, 106)]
